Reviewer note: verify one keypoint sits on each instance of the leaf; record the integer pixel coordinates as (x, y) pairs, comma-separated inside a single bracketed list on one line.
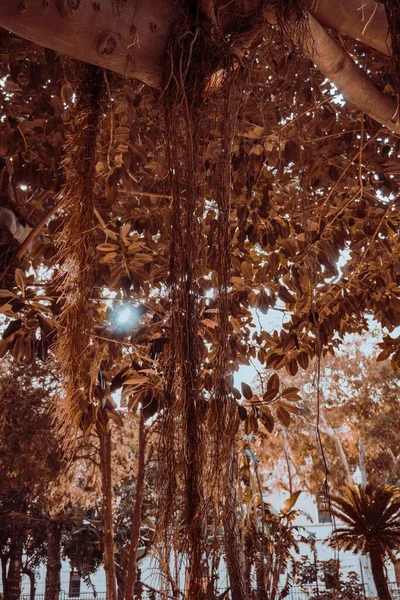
[(11, 328), (114, 416), (107, 247), (291, 393), (242, 412), (291, 501), (246, 391), (273, 384), (5, 308), (7, 294), (20, 280), (303, 360), (285, 295), (108, 258), (253, 423), (135, 381), (247, 269), (209, 323), (292, 367), (267, 419), (283, 416)]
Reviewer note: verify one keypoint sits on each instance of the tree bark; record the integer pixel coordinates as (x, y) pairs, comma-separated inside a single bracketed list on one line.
[(362, 461), (15, 568), (131, 38), (31, 574), (121, 581), (355, 85), (362, 21), (53, 565), (339, 447), (4, 561), (260, 576), (126, 37), (378, 573), (131, 575), (108, 527), (232, 538)]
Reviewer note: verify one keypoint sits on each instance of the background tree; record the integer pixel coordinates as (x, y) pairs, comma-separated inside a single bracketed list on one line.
[(30, 460), (371, 525)]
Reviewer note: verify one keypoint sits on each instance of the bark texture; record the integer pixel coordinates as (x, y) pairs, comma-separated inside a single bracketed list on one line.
[(106, 488), (130, 38), (137, 514), (15, 568), (53, 565), (378, 573), (32, 589), (126, 37), (349, 78)]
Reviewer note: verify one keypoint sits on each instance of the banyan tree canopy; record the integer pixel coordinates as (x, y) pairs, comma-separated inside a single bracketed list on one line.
[(200, 165)]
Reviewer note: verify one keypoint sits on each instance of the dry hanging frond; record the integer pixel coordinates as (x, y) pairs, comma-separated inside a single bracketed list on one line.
[(76, 252)]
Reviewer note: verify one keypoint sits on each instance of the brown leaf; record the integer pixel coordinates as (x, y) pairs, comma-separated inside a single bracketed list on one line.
[(246, 391)]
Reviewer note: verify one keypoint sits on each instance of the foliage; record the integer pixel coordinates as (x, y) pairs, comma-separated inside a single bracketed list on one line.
[(357, 415), (311, 577), (206, 210), (370, 516)]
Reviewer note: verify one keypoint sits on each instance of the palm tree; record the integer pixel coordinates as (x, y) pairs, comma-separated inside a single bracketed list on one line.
[(371, 525)]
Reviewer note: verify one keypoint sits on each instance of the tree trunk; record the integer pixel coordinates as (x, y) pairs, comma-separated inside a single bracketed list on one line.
[(232, 538), (4, 561), (15, 568), (32, 589), (108, 527), (339, 447), (131, 575), (378, 573), (363, 466), (53, 565), (248, 558), (260, 576), (121, 581)]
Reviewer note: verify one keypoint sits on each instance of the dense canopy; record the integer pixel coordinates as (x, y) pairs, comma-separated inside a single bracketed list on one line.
[(149, 227)]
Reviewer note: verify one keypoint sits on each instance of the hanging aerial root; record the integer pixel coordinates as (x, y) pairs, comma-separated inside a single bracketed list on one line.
[(76, 252), (199, 46)]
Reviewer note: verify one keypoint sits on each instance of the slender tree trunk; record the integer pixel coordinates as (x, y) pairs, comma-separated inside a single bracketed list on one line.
[(286, 454), (31, 574), (232, 538), (121, 581), (363, 467), (260, 576), (4, 561), (131, 575), (247, 558), (339, 447), (53, 566), (106, 487), (15, 568), (378, 573)]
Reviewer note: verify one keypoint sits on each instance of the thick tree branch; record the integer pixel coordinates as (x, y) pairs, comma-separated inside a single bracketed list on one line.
[(10, 222), (350, 80), (130, 39), (126, 37), (361, 20)]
